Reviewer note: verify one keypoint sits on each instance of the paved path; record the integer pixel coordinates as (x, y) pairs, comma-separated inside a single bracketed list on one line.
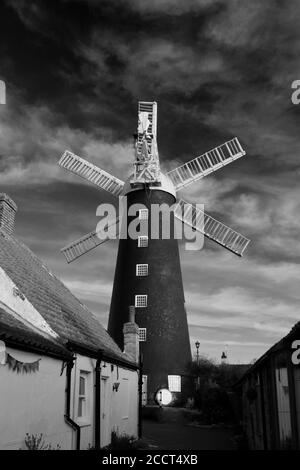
[(173, 436)]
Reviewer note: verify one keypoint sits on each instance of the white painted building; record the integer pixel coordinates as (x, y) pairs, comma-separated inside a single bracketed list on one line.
[(61, 374)]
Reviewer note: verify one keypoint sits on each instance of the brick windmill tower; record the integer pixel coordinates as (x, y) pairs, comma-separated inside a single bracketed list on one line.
[(148, 278)]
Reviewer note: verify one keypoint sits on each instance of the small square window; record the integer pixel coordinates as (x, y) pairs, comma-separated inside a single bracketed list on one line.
[(174, 382), (142, 334), (142, 269), (142, 241), (141, 301), (143, 214)]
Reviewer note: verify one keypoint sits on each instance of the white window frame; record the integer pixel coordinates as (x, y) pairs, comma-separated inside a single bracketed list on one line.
[(142, 335), (143, 214), (84, 398), (141, 300), (174, 383), (142, 270), (143, 241)]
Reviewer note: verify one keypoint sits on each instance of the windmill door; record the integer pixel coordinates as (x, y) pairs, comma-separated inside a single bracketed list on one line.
[(144, 390), (105, 413)]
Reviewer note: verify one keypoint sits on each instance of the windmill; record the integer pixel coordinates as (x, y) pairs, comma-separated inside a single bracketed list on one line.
[(148, 274)]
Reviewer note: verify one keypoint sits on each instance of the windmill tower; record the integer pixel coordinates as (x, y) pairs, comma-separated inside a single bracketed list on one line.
[(148, 277)]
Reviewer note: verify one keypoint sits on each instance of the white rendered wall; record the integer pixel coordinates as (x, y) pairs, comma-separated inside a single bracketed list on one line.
[(33, 403)]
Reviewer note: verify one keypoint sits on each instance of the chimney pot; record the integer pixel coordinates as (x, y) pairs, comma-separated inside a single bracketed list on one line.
[(8, 209), (131, 314)]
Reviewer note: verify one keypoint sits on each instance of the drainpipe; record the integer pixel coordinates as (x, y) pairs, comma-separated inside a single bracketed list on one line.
[(68, 418), (97, 401), (140, 372)]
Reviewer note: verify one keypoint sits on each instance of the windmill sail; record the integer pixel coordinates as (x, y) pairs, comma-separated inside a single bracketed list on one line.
[(91, 173), (87, 243), (210, 227), (206, 163)]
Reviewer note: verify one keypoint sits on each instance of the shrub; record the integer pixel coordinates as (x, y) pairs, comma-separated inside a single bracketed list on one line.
[(216, 408), (125, 442), (37, 442)]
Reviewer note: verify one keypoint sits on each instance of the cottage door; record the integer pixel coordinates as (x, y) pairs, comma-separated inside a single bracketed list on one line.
[(105, 413)]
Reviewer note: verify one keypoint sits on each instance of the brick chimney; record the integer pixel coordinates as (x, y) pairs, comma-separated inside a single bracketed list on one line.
[(8, 209), (131, 337)]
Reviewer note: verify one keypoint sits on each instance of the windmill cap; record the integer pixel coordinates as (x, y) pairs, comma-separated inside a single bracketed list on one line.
[(166, 186)]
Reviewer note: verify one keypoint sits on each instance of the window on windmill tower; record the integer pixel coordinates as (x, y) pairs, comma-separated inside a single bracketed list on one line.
[(142, 269), (142, 334), (174, 382), (143, 214), (140, 301), (142, 241)]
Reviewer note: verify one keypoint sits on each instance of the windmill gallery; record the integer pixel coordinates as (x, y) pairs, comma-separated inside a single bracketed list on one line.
[(148, 287)]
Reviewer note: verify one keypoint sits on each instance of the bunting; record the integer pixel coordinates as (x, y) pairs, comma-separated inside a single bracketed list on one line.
[(21, 367)]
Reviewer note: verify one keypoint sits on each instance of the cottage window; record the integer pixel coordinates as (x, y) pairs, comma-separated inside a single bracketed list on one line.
[(174, 383), (142, 269), (141, 301), (142, 334), (142, 241), (83, 395)]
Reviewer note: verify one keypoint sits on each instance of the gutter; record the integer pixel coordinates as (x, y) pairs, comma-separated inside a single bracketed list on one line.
[(68, 418), (97, 401), (94, 354), (32, 346)]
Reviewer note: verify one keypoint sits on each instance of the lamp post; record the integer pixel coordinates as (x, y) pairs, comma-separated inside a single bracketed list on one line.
[(197, 344)]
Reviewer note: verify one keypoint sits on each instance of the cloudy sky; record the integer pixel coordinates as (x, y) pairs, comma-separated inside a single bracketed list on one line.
[(74, 71)]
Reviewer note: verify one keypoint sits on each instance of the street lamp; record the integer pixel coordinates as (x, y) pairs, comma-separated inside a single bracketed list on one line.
[(197, 344)]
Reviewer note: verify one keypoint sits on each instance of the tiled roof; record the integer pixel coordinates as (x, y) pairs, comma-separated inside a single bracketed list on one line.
[(16, 332), (63, 312)]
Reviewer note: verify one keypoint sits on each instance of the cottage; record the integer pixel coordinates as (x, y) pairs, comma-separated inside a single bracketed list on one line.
[(61, 374), (270, 395)]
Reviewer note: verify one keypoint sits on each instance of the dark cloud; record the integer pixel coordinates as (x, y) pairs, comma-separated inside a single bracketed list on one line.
[(74, 72)]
